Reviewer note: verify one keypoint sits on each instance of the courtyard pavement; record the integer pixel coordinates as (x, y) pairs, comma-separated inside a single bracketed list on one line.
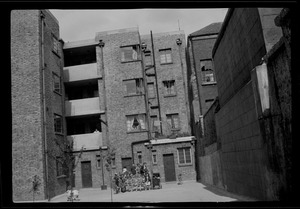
[(189, 191)]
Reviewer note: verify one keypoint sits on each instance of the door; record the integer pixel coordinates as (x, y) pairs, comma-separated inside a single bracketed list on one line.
[(86, 173), (169, 167), (127, 162)]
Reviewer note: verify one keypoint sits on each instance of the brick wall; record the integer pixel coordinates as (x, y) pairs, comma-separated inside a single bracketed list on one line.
[(240, 49), (173, 71), (27, 101), (26, 104), (202, 49), (242, 154), (118, 105)]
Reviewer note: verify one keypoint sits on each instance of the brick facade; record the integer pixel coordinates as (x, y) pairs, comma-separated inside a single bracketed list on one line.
[(240, 47), (29, 133)]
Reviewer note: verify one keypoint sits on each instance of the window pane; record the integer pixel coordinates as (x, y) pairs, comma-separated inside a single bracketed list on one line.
[(175, 121), (168, 58), (162, 58), (139, 86), (142, 121), (57, 124), (180, 155), (188, 155), (154, 158), (130, 87), (169, 120)]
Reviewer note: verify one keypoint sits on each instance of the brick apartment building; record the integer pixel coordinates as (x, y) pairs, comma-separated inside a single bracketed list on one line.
[(202, 85), (101, 94)]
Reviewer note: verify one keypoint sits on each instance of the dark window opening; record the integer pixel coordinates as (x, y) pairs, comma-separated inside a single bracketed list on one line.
[(81, 91), (83, 125), (207, 71), (80, 56), (169, 87)]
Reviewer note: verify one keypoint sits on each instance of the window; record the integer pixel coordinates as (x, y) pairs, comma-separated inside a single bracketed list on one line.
[(184, 155), (148, 58), (154, 157), (140, 160), (57, 123), (59, 166), (113, 161), (55, 48), (169, 88), (129, 53), (136, 122), (134, 86), (151, 93), (173, 121), (207, 72), (98, 162), (56, 83), (154, 123), (165, 56)]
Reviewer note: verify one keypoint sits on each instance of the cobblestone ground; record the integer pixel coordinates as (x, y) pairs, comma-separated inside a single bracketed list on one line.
[(171, 192)]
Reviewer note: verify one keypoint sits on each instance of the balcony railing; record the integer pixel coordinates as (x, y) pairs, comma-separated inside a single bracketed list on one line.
[(81, 72), (87, 141), (86, 106)]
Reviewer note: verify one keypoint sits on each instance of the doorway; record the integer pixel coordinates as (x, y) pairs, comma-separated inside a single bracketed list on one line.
[(86, 173), (169, 167)]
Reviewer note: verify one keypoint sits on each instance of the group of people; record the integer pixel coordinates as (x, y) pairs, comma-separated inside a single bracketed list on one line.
[(138, 178)]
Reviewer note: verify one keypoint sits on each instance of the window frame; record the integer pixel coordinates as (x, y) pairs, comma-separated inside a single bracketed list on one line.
[(138, 53), (163, 54), (154, 162), (137, 116), (54, 82), (165, 83), (59, 167), (204, 73), (55, 126), (172, 120), (55, 45), (142, 90), (98, 159), (184, 156)]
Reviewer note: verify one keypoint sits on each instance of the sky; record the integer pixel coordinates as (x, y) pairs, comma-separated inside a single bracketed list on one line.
[(76, 25)]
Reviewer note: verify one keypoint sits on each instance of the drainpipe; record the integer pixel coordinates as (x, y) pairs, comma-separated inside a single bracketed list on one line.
[(179, 42), (156, 83), (44, 106)]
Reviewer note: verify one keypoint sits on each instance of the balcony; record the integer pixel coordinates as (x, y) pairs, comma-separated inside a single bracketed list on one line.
[(81, 72), (88, 106), (87, 141)]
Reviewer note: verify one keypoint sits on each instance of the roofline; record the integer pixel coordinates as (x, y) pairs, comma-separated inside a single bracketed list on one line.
[(222, 30), (207, 34)]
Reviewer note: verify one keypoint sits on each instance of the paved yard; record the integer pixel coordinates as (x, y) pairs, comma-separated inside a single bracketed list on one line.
[(190, 191)]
